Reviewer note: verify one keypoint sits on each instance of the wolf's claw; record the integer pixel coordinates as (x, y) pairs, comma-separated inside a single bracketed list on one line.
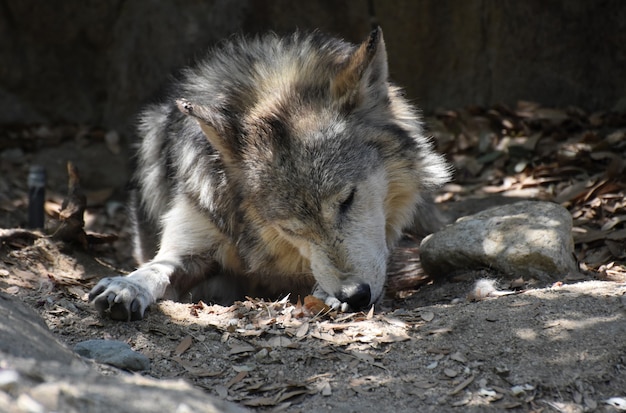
[(331, 301), (335, 304), (120, 298)]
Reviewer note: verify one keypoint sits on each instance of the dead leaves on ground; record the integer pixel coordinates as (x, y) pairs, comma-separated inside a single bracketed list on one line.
[(568, 156), (258, 333), (285, 324)]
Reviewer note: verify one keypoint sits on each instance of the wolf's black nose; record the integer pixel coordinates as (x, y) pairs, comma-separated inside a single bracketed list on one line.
[(358, 297)]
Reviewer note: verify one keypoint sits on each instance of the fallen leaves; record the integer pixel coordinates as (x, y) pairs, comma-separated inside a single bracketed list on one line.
[(183, 345), (286, 324), (239, 348), (258, 333), (461, 386), (316, 306), (563, 155)]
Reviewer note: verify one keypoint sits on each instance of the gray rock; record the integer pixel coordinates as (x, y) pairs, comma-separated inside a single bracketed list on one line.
[(518, 240), (114, 353), (23, 333)]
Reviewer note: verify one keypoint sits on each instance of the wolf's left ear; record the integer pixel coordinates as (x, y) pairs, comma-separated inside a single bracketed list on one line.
[(365, 73), (215, 131)]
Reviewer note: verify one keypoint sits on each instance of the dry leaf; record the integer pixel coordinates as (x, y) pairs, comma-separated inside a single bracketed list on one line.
[(458, 357), (289, 395), (243, 367), (183, 345), (437, 331), (24, 275), (240, 376), (280, 341), (302, 330), (241, 348), (461, 386), (315, 306), (78, 292)]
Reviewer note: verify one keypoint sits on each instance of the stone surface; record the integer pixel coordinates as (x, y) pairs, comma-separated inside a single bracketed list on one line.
[(452, 53), (24, 334), (97, 62), (40, 374), (104, 59), (114, 353), (524, 239)]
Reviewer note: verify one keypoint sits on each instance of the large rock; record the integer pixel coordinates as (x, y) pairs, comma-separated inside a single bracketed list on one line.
[(40, 374), (24, 334), (525, 239)]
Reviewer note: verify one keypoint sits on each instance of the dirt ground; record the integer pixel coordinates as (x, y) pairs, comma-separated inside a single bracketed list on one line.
[(558, 347)]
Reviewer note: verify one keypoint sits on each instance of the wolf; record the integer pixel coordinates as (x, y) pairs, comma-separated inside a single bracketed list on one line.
[(276, 165)]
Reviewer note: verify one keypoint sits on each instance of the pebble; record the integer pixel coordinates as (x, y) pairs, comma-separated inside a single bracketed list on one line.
[(8, 379), (114, 353)]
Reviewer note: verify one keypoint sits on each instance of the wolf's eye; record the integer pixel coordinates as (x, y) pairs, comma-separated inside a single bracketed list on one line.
[(347, 203)]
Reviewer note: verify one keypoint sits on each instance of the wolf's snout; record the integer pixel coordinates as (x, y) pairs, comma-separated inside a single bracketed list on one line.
[(357, 297)]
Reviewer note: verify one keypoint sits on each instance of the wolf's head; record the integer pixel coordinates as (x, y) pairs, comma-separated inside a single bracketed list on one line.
[(327, 159)]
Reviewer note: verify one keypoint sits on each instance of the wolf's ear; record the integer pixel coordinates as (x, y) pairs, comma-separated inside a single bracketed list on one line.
[(216, 135), (365, 73)]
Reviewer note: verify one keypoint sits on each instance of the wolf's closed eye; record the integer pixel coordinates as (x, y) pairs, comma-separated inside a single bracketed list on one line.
[(347, 203)]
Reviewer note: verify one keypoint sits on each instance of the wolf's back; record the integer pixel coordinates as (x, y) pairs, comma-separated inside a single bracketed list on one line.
[(247, 79)]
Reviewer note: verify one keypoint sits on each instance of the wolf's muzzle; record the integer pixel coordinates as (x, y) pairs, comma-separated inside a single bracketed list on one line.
[(357, 297)]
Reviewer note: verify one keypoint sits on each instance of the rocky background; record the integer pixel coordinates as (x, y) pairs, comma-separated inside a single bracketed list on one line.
[(97, 61)]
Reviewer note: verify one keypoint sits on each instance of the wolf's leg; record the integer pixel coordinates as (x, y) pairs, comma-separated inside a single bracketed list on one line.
[(145, 230), (184, 257)]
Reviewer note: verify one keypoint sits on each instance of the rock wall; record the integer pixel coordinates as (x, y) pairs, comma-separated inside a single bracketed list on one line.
[(451, 53), (97, 61)]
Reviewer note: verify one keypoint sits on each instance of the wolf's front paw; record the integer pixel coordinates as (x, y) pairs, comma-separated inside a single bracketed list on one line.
[(121, 298), (330, 300)]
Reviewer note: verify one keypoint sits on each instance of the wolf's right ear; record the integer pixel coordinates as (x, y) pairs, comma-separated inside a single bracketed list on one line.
[(365, 73), (217, 137)]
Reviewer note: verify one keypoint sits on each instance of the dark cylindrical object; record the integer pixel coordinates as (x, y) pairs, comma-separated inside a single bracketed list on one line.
[(36, 195)]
